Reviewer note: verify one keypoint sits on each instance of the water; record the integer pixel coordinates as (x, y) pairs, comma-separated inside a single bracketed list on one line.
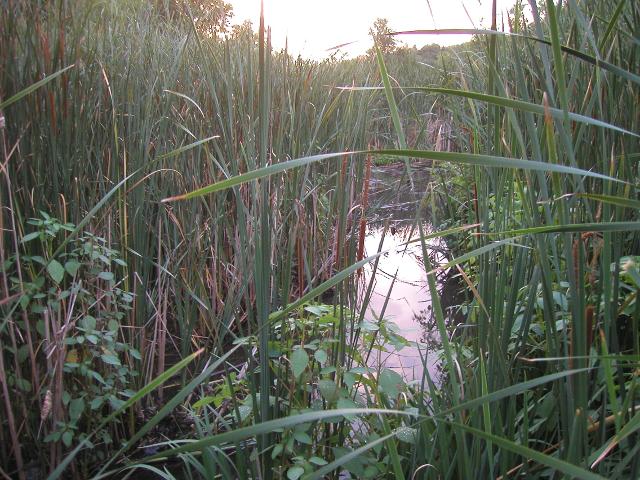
[(395, 202)]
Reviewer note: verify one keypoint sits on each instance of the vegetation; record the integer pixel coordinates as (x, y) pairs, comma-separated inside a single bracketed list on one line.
[(182, 246)]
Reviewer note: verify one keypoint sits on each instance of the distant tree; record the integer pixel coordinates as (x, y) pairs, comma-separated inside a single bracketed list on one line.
[(380, 33), (430, 53), (211, 17), (244, 31)]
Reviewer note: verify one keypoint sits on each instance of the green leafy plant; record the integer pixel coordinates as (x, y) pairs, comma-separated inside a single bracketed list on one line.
[(77, 307)]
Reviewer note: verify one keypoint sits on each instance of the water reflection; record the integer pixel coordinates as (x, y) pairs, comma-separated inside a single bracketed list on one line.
[(401, 278), (400, 274)]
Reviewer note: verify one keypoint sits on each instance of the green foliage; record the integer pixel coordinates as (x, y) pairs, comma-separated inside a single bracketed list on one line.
[(77, 306), (532, 140)]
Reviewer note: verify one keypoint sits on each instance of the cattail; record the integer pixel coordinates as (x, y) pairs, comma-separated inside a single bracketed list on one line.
[(363, 212), (45, 410)]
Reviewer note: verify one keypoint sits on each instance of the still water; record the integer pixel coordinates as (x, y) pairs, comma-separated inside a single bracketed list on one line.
[(400, 280)]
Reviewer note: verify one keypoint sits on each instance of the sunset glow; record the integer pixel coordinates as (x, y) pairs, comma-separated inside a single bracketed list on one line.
[(313, 27)]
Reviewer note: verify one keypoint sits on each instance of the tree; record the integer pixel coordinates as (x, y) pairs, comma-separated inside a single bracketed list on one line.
[(244, 32), (380, 32), (211, 17)]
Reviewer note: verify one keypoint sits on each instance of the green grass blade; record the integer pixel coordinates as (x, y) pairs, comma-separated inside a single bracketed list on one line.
[(460, 158), (168, 406), (151, 386), (32, 88), (493, 161), (621, 72), (510, 103), (511, 391), (632, 426), (322, 472), (251, 431), (577, 227), (529, 453), (612, 200)]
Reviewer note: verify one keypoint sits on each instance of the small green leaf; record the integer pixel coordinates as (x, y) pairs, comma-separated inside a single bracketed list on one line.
[(277, 450), (318, 461), (110, 359), (67, 437), (348, 403), (96, 403), (294, 473), (369, 326), (23, 384), (317, 310), (88, 322), (299, 362), (30, 236), (303, 437), (115, 403), (56, 270), (98, 377), (24, 301), (108, 276), (135, 354), (72, 267), (328, 390), (320, 356), (407, 434), (23, 353), (52, 437), (76, 407), (390, 383), (204, 401), (39, 259), (245, 411), (113, 325)]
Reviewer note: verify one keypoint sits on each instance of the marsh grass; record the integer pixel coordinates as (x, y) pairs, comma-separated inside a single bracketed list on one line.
[(218, 171)]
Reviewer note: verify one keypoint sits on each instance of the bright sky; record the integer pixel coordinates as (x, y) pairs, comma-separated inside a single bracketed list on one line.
[(313, 26)]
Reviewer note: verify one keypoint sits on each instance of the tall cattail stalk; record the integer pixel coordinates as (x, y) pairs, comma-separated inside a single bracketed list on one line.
[(363, 211)]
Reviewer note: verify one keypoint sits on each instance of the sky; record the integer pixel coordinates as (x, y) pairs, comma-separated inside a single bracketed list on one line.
[(314, 26)]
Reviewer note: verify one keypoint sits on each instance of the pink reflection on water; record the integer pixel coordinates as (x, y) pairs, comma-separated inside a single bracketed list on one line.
[(409, 298)]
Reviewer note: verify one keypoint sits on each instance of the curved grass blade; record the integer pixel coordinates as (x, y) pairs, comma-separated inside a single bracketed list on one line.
[(529, 453), (243, 433), (621, 72), (511, 391), (493, 161), (254, 175), (322, 472), (32, 88), (187, 98), (169, 406), (461, 158), (616, 357), (632, 426), (611, 199), (509, 103), (476, 253), (151, 386), (574, 227)]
